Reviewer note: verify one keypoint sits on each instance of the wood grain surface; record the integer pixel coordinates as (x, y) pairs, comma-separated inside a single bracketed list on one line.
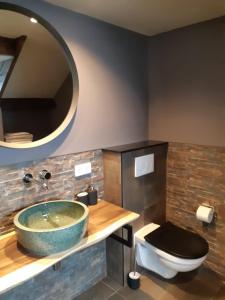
[(112, 177), (101, 216)]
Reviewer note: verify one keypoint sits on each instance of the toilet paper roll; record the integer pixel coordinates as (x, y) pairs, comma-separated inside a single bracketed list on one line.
[(205, 214)]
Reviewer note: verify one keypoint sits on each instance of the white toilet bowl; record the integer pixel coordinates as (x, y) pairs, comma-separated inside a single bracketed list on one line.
[(158, 261)]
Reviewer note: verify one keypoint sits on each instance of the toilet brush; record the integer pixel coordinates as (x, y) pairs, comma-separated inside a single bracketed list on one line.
[(133, 278)]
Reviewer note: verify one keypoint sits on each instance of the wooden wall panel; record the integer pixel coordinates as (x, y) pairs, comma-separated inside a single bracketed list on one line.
[(112, 177)]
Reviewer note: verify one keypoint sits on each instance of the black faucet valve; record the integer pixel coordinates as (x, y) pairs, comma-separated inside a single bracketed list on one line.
[(45, 175), (27, 178)]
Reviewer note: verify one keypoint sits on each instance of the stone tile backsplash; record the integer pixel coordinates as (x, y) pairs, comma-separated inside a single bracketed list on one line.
[(196, 175), (14, 195), (78, 272)]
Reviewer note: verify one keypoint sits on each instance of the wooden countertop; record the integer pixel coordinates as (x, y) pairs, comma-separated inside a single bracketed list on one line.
[(16, 266)]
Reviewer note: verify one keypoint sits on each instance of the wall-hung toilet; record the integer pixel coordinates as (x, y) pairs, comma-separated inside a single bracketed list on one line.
[(169, 249)]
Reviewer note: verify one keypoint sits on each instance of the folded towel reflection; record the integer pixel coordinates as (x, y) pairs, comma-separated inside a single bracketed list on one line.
[(18, 137)]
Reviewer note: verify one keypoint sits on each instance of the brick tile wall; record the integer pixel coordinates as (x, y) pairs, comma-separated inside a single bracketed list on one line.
[(15, 196), (196, 175)]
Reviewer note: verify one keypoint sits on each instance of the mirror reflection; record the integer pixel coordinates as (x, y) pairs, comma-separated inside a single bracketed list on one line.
[(36, 85)]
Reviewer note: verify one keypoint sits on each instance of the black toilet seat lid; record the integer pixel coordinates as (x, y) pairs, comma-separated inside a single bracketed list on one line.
[(178, 241)]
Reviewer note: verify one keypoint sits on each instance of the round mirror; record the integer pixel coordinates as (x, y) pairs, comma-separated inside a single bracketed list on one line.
[(38, 80)]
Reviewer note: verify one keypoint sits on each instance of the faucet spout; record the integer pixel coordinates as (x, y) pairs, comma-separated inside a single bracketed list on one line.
[(28, 179), (42, 183)]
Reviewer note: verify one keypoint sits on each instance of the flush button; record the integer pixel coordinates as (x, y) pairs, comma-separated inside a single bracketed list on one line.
[(144, 165)]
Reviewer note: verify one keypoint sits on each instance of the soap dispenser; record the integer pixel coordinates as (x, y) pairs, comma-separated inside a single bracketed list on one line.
[(92, 195)]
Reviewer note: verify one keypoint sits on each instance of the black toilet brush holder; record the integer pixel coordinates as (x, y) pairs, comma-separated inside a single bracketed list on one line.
[(133, 278)]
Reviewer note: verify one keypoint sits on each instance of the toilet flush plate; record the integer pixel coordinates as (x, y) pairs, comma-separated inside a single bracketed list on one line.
[(144, 165)]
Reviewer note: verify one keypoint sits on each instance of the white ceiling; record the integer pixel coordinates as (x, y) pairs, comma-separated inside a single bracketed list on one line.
[(148, 17)]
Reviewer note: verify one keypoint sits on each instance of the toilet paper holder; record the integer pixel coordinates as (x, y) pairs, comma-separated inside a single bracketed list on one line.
[(214, 213), (207, 205)]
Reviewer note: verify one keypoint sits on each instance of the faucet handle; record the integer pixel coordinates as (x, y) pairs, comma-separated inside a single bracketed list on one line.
[(27, 178), (44, 174)]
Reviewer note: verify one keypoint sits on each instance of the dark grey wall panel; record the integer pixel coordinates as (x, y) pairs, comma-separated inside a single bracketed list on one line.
[(114, 256), (145, 195)]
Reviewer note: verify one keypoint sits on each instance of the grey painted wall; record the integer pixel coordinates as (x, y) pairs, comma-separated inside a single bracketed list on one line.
[(186, 84), (112, 107)]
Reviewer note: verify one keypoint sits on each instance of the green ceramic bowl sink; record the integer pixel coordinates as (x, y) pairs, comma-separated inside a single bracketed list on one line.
[(51, 227)]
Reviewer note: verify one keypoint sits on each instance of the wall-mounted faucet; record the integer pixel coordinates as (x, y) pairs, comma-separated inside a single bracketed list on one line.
[(44, 176)]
